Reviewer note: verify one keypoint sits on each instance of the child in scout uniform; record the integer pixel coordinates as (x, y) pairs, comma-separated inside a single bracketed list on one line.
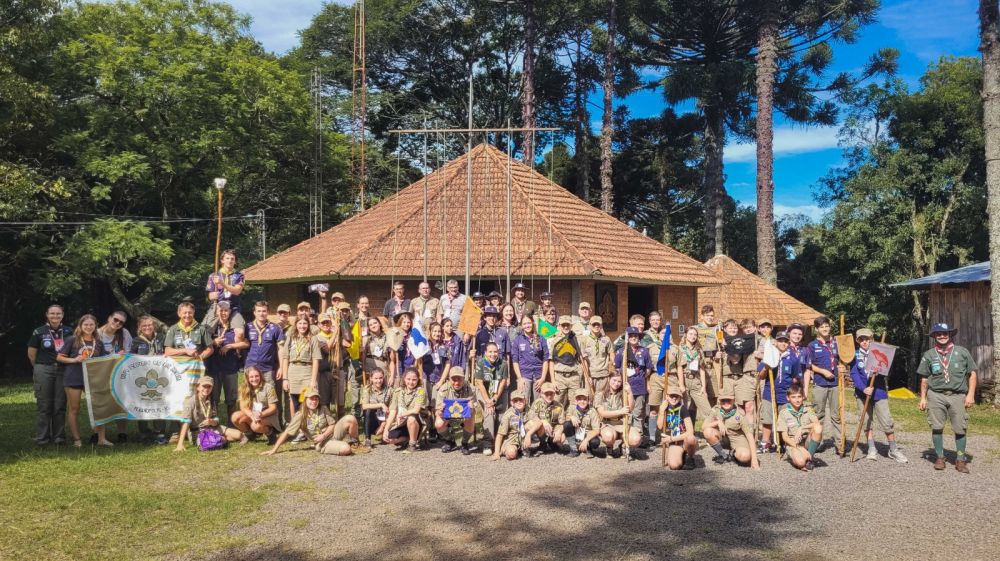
[(582, 425), (878, 403), (456, 389), (635, 365), (614, 405), (732, 362), (652, 340), (825, 369), (596, 347), (796, 332), (258, 412), (789, 371), (569, 371), (510, 440), (201, 415), (490, 332), (800, 428), (947, 388), (545, 419), (679, 441), (708, 336), (400, 355), (434, 367), (315, 421), (375, 396), (688, 361), (376, 351), (407, 403), (491, 378), (726, 425), (746, 385)]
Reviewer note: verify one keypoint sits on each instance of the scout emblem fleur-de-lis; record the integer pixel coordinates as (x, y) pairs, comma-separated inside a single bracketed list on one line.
[(151, 384), (456, 409)]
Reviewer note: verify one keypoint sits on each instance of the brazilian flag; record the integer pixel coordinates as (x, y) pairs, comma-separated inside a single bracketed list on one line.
[(545, 329)]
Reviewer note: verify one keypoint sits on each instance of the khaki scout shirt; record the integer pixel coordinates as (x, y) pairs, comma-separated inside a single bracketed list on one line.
[(408, 402), (310, 423), (597, 351), (551, 413), (511, 426), (734, 423), (426, 311), (793, 422), (588, 420)]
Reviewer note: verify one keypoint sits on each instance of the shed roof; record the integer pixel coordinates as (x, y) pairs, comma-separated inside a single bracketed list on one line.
[(554, 233), (749, 296), (970, 273)]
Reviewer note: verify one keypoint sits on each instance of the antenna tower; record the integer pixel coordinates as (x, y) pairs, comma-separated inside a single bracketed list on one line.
[(359, 94), (316, 194)]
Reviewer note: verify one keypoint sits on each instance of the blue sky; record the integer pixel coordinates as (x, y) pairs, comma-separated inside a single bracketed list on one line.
[(922, 30)]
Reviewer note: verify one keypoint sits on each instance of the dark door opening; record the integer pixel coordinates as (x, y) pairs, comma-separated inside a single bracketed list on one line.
[(641, 300)]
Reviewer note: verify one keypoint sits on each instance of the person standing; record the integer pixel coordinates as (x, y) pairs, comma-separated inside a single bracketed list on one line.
[(398, 303), (227, 358), (596, 347), (825, 367), (492, 378), (426, 309), (581, 321), (634, 364), (148, 342), (490, 332), (947, 389), (530, 357), (264, 338), (652, 340), (878, 403), (83, 345), (226, 285), (789, 371), (522, 306), (116, 340), (451, 303), (569, 370), (50, 396)]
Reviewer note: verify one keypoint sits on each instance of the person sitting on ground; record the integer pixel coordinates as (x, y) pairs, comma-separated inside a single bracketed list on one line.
[(456, 389), (679, 441), (727, 426), (510, 440), (201, 415), (545, 420), (582, 425), (258, 413), (375, 406), (878, 403), (317, 423), (404, 412), (614, 405), (789, 371), (82, 345), (800, 429)]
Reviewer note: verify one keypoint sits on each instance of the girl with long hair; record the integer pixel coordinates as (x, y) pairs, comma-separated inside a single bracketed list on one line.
[(82, 345)]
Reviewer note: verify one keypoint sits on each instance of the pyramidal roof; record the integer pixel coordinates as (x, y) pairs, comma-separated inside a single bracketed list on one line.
[(553, 233), (749, 296)]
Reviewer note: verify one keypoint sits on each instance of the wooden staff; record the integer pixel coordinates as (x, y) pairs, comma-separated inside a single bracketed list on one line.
[(840, 392), (220, 184), (774, 408)]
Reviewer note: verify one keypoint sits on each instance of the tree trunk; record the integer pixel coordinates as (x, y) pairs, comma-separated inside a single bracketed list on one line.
[(528, 82), (713, 184), (607, 192), (581, 154), (767, 52), (989, 46)]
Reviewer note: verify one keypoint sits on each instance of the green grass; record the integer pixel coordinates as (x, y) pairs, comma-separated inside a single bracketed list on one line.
[(133, 501)]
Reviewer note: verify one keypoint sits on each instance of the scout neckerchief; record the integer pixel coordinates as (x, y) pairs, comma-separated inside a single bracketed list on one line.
[(491, 373), (377, 396), (260, 330), (727, 414), (85, 350), (376, 345), (547, 409), (534, 341), (518, 307), (299, 344), (944, 356), (313, 421), (861, 357), (689, 353), (795, 414), (152, 344), (581, 413), (187, 330), (673, 420), (57, 337), (831, 348), (402, 398), (206, 408), (520, 420)]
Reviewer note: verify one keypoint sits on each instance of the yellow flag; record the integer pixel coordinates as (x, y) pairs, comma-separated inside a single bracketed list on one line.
[(355, 349)]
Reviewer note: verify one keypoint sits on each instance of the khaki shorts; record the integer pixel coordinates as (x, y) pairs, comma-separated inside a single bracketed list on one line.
[(656, 390), (736, 442), (766, 412), (340, 431), (879, 410), (729, 384), (600, 380), (746, 389), (943, 408)]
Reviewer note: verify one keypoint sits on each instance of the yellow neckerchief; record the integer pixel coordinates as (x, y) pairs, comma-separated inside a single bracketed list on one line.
[(226, 274), (206, 407), (260, 330), (313, 419), (187, 331), (298, 344), (224, 325), (143, 337)]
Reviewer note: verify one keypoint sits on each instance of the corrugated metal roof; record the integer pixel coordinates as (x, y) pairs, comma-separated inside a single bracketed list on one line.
[(970, 273)]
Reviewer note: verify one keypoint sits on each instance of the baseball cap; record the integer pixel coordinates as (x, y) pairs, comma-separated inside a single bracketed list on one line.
[(583, 305), (343, 306), (597, 320), (491, 311), (456, 372), (312, 392), (632, 330), (548, 387), (581, 393), (565, 320), (337, 295), (206, 381), (284, 308), (761, 322), (864, 332), (305, 305), (781, 335), (517, 395)]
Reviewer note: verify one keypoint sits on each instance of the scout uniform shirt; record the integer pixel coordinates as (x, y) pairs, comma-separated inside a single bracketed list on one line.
[(794, 422), (434, 362), (948, 369), (197, 412), (824, 355), (597, 351), (263, 351), (860, 378), (611, 402), (551, 413), (788, 370), (652, 341), (530, 354), (426, 311), (231, 278), (491, 373), (522, 307), (49, 342), (734, 421), (497, 335), (377, 353), (566, 354), (194, 337), (143, 346), (408, 402), (371, 396), (449, 392), (707, 337), (511, 427), (587, 420), (310, 422)]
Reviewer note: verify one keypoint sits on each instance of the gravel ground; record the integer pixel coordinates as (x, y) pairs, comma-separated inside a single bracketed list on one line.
[(388, 505)]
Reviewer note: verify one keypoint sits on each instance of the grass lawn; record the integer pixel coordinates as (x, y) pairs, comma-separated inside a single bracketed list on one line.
[(133, 501)]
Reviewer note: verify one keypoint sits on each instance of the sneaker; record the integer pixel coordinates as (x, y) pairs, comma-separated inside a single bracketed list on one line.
[(573, 452), (939, 463), (122, 438), (448, 446), (872, 452), (763, 447), (300, 438), (161, 438), (898, 456), (720, 459), (809, 465), (466, 450)]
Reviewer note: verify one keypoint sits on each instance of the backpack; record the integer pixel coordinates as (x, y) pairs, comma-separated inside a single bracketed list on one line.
[(210, 440)]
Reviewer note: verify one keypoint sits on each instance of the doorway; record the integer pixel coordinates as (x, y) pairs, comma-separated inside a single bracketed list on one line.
[(641, 300)]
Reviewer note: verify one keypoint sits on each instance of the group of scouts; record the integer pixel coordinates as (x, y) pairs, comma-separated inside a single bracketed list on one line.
[(573, 391)]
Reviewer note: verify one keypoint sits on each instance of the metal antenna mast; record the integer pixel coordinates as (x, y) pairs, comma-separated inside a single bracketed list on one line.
[(359, 101)]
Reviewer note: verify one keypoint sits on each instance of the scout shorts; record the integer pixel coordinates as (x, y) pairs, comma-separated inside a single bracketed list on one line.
[(879, 410), (942, 408), (746, 388)]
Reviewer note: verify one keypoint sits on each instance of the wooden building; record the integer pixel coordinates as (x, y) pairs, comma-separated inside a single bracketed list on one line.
[(961, 298), (557, 242)]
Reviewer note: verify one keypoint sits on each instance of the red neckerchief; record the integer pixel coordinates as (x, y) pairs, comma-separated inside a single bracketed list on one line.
[(944, 355), (830, 348)]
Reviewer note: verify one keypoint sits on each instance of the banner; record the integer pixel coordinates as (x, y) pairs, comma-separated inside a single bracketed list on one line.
[(879, 359), (457, 409), (468, 322), (138, 387)]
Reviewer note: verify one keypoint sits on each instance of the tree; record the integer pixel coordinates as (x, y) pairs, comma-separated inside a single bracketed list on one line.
[(989, 46), (608, 86)]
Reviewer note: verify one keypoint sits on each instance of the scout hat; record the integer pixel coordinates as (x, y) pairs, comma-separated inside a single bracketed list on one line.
[(337, 296), (456, 372), (548, 387), (496, 294), (565, 320), (761, 322), (401, 314), (596, 319), (727, 394), (942, 328), (312, 392), (325, 316), (675, 391), (517, 395), (478, 296), (632, 330), (304, 305), (583, 305), (343, 306), (581, 393), (284, 308), (491, 311), (519, 286), (781, 335), (206, 381), (864, 332), (545, 295)]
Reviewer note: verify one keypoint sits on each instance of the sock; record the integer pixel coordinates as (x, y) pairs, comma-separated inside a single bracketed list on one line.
[(466, 437), (959, 445), (812, 445), (651, 426), (719, 450), (892, 445), (937, 437)]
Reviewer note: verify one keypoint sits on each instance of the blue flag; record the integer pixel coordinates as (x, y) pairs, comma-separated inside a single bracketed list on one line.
[(661, 361), (457, 409), (417, 343)]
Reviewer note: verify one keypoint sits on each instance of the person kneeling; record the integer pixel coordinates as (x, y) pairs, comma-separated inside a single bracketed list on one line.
[(614, 405), (679, 441), (726, 423), (202, 415), (510, 430), (799, 425), (545, 420), (404, 412), (316, 423), (582, 426), (456, 390), (258, 413)]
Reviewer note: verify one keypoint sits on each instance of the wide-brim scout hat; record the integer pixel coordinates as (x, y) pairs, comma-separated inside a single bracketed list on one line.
[(496, 294), (864, 332), (548, 387), (456, 372), (518, 395), (632, 330), (581, 393), (675, 391), (519, 286), (343, 306), (491, 311), (781, 335), (284, 308), (596, 320), (337, 296), (942, 328), (312, 392), (761, 322), (304, 306), (401, 314), (545, 295), (565, 320), (206, 381)]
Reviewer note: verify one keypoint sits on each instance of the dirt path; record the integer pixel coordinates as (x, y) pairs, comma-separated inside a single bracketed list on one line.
[(433, 506)]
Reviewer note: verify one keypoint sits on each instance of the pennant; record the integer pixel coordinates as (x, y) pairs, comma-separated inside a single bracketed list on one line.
[(417, 343), (661, 361), (545, 329), (772, 357), (457, 409), (355, 349), (879, 359)]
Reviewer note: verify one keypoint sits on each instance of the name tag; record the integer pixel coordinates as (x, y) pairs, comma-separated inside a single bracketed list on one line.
[(428, 313), (380, 415), (580, 433), (258, 407)]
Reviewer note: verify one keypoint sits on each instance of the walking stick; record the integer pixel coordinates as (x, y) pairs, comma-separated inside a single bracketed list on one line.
[(861, 420), (840, 393), (774, 408)]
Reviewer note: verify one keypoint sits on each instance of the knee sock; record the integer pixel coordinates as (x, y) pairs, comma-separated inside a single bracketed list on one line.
[(719, 450), (960, 445), (812, 445), (651, 426), (466, 437), (937, 437)]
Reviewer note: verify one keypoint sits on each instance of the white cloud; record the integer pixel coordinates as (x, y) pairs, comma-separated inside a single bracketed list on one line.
[(813, 212), (787, 141), (276, 24), (931, 28)]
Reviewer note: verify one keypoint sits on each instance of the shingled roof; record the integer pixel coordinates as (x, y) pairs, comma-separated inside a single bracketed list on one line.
[(553, 233), (748, 296)]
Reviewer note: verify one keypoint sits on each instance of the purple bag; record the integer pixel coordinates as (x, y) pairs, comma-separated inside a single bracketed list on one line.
[(210, 440)]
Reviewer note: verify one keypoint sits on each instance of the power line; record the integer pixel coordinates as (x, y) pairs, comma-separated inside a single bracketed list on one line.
[(130, 219)]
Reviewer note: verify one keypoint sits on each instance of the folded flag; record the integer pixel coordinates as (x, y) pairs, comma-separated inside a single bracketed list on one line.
[(457, 409), (546, 329), (417, 342), (661, 361)]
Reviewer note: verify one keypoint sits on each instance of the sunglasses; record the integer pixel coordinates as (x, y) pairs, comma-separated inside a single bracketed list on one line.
[(117, 320)]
